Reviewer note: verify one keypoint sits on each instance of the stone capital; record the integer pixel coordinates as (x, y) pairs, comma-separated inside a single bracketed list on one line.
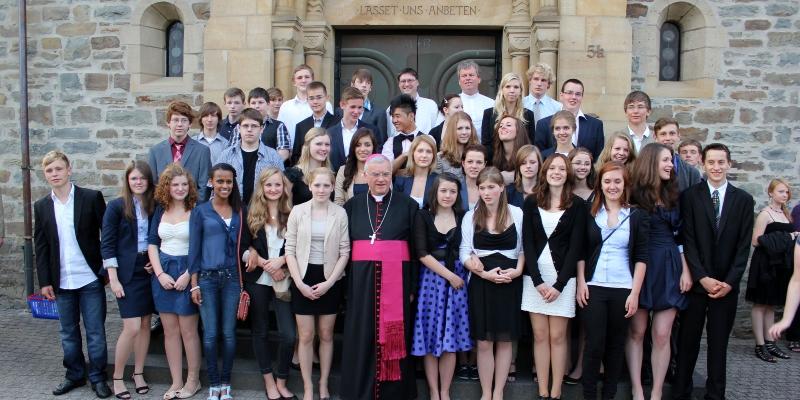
[(519, 39), (314, 38), (545, 33), (284, 44)]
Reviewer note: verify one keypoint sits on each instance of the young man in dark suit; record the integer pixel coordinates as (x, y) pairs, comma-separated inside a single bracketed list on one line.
[(68, 264), (372, 114), (717, 229), (341, 134), (180, 148), (589, 133), (320, 117)]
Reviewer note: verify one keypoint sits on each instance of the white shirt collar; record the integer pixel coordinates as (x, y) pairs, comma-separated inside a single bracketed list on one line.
[(722, 189), (71, 194), (644, 135)]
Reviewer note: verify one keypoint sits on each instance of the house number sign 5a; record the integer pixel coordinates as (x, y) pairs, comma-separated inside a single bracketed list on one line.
[(595, 51)]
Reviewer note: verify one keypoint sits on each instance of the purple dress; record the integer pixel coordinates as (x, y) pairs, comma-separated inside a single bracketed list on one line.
[(442, 320)]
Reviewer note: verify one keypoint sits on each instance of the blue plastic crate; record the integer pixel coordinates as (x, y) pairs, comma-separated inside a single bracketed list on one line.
[(42, 307)]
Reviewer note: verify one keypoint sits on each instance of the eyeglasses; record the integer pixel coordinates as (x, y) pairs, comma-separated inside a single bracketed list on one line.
[(179, 120), (250, 126), (380, 174), (570, 93), (404, 81)]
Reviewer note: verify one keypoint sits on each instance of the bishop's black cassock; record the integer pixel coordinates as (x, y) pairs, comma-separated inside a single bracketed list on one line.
[(366, 372)]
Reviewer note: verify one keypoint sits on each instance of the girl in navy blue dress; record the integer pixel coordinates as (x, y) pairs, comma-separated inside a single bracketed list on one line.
[(655, 190), (168, 248), (441, 327), (124, 251)]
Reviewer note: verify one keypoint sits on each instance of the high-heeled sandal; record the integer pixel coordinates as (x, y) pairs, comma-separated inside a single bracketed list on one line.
[(775, 350), (764, 355), (227, 390), (126, 395), (140, 389)]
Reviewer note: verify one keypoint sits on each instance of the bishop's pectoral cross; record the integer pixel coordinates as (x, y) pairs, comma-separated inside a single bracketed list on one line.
[(372, 238)]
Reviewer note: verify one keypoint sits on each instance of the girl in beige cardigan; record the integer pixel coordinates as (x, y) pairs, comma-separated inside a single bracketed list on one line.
[(317, 250)]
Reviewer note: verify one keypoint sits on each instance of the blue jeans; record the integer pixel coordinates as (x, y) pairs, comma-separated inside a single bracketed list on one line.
[(220, 293), (88, 302)]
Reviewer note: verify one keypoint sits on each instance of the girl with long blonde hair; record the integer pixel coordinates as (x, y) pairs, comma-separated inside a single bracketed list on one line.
[(266, 278), (507, 102)]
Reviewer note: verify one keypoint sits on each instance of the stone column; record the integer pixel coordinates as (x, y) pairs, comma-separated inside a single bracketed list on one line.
[(284, 52), (285, 36), (519, 37), (519, 45), (315, 35), (545, 36)]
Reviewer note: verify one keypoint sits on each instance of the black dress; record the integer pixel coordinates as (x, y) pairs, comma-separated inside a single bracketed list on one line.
[(767, 281), (493, 308)]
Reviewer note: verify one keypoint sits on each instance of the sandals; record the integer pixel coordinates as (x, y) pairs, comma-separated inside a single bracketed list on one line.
[(764, 355), (185, 394), (776, 351), (126, 395), (140, 389)]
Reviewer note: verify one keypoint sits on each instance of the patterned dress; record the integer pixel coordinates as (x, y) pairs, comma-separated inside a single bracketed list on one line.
[(442, 320)]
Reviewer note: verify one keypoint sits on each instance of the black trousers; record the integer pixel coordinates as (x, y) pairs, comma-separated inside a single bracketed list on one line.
[(260, 298), (607, 329), (718, 316)]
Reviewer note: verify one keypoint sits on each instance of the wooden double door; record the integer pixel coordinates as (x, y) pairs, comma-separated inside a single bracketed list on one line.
[(434, 55)]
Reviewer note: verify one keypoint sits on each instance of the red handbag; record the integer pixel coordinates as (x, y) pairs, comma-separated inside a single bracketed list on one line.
[(244, 297)]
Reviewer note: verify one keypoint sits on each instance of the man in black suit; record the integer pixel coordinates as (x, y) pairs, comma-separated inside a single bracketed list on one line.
[(717, 229), (341, 134), (68, 264), (373, 115), (589, 132), (320, 117)]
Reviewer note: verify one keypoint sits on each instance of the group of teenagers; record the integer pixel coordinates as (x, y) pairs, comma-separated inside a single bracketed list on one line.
[(432, 228)]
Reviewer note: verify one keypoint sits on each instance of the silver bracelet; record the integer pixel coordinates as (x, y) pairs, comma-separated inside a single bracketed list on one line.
[(194, 288)]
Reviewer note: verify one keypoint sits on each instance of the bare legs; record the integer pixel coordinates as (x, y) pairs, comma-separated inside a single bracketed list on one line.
[(181, 332), (135, 337), (494, 360), (305, 351), (659, 358), (549, 351), (439, 374), (763, 317)]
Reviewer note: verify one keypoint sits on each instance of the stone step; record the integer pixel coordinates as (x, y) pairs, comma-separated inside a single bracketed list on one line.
[(246, 375)]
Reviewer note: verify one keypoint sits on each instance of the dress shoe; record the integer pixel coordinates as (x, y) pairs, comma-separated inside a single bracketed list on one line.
[(101, 389), (67, 386)]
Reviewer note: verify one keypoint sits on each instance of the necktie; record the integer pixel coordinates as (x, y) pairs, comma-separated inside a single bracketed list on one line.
[(178, 152), (537, 112), (715, 201)]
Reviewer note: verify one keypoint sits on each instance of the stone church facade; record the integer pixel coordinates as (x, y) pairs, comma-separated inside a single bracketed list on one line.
[(98, 84)]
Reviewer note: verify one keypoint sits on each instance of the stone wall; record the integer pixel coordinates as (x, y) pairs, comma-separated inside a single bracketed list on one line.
[(80, 101), (754, 106)]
